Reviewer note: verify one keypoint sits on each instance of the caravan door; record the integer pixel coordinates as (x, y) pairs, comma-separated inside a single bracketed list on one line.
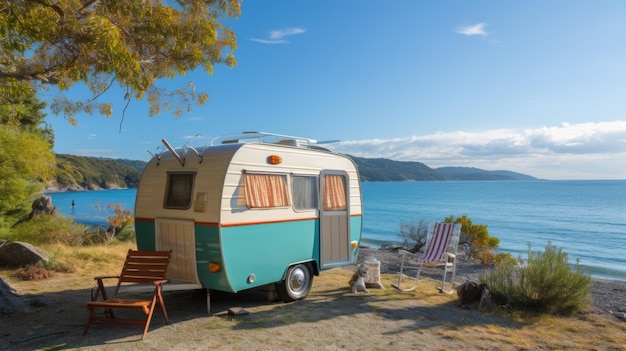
[(334, 219)]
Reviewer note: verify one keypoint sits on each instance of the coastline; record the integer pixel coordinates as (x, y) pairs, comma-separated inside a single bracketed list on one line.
[(55, 188)]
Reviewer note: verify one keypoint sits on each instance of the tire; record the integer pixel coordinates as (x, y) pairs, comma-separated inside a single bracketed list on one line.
[(297, 283)]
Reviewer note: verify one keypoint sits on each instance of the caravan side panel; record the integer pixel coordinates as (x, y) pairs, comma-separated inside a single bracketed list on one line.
[(193, 232), (258, 245)]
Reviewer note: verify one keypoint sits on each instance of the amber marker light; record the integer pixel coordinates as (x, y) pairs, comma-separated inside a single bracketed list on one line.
[(274, 159), (214, 267), (354, 244)]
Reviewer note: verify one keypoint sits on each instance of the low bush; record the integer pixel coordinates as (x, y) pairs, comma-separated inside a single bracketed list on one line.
[(46, 229), (34, 272), (544, 283), (51, 229)]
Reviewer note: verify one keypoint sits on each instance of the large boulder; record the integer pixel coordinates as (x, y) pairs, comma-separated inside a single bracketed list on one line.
[(42, 205), (21, 254), (9, 301), (470, 292)]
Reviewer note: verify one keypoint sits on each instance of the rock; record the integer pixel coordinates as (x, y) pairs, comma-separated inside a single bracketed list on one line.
[(9, 301), (619, 315), (42, 205), (21, 254), (238, 311), (470, 292), (486, 302)]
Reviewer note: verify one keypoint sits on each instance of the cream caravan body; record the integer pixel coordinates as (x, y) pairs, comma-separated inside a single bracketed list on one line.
[(251, 210)]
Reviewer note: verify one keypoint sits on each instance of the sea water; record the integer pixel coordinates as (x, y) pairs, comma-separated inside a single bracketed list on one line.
[(586, 219), (90, 207)]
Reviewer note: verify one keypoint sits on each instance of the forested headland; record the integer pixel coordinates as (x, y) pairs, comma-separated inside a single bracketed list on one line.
[(92, 173)]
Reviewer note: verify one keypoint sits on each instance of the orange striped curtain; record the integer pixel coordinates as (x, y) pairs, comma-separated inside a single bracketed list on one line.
[(266, 190), (334, 192)]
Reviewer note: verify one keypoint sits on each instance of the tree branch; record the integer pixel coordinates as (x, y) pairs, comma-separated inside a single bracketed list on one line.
[(124, 113), (105, 89), (56, 8), (44, 77)]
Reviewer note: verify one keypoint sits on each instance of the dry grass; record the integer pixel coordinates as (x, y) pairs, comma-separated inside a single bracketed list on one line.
[(383, 320)]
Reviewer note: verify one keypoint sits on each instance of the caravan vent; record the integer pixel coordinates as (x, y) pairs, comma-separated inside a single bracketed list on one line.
[(290, 142)]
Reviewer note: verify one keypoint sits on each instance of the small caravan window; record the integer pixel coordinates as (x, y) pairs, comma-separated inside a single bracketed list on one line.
[(304, 192), (334, 192), (179, 190), (266, 190)]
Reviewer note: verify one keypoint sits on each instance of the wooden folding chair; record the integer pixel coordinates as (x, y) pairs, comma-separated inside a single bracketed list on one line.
[(140, 267)]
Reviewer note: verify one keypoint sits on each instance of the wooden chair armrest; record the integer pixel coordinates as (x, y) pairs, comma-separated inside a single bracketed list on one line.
[(99, 289), (106, 277)]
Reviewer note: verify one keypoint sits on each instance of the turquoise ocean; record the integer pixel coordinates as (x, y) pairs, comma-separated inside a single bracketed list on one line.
[(587, 219)]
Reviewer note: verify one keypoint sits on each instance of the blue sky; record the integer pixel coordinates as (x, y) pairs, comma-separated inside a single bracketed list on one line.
[(537, 87)]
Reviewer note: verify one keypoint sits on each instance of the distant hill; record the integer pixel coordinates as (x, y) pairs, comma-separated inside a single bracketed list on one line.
[(471, 173), (136, 164), (380, 169), (91, 173)]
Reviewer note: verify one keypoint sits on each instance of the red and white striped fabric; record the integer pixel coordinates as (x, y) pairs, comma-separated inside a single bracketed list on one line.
[(442, 233)]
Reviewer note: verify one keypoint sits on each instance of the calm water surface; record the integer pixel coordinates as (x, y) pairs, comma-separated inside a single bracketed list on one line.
[(587, 219)]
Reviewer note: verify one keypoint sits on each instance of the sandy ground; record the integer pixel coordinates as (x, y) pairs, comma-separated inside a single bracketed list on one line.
[(330, 318)]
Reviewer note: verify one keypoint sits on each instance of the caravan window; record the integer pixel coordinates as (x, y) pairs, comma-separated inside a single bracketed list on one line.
[(334, 192), (179, 190), (266, 190), (304, 192)]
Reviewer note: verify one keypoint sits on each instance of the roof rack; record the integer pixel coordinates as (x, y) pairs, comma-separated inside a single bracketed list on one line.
[(262, 137)]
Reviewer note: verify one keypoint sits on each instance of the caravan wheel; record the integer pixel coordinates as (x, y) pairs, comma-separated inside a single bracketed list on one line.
[(297, 283)]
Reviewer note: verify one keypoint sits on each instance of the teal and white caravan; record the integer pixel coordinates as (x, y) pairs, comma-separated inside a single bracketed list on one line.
[(249, 210)]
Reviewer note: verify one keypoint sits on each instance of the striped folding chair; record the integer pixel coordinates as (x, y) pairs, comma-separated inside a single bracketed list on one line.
[(439, 257)]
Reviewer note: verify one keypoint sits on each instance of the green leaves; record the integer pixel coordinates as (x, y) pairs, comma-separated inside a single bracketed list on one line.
[(135, 42), (545, 282), (26, 160)]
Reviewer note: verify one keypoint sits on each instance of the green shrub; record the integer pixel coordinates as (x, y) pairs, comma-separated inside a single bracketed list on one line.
[(126, 234), (48, 229), (545, 283), (476, 238), (504, 258)]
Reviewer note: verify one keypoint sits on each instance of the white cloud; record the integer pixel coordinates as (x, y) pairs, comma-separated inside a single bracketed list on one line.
[(594, 150), (477, 29), (277, 36), (265, 41), (91, 135)]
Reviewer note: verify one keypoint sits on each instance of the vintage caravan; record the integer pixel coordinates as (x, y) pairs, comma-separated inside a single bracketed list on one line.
[(250, 210)]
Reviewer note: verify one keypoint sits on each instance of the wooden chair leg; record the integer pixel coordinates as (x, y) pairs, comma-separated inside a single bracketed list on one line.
[(88, 321), (162, 307), (148, 320)]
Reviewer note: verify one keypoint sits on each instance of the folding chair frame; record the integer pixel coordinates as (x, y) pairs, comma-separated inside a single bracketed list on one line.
[(438, 256)]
